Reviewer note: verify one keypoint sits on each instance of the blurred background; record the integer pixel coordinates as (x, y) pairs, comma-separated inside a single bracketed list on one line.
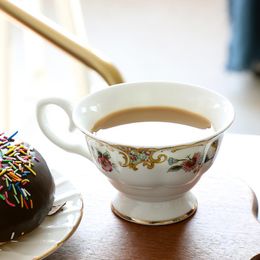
[(170, 40)]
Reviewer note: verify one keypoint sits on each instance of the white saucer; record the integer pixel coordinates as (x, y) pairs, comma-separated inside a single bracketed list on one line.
[(54, 230)]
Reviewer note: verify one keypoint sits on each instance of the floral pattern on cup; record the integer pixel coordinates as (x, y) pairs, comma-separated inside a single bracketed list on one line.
[(109, 158), (132, 157), (188, 164), (104, 161), (212, 151)]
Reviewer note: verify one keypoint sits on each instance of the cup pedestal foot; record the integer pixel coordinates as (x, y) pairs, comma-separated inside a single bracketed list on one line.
[(154, 213)]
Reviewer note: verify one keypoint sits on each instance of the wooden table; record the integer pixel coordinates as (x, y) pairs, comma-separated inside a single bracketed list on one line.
[(224, 226)]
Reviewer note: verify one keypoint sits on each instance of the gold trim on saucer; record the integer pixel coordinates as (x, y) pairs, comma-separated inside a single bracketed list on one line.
[(155, 223), (60, 243)]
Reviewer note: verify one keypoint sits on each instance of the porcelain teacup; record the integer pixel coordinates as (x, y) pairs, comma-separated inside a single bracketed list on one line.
[(153, 185)]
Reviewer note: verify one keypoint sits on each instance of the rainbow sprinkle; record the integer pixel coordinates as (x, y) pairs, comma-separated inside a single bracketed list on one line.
[(15, 167)]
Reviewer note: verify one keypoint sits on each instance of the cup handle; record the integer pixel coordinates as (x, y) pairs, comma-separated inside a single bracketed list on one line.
[(42, 119)]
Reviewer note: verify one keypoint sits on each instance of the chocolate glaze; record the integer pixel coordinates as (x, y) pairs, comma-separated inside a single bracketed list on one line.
[(16, 221)]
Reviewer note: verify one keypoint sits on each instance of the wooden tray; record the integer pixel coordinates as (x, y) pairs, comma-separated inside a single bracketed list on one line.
[(224, 226)]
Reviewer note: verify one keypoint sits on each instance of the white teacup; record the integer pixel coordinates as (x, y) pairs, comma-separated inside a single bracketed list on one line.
[(154, 185)]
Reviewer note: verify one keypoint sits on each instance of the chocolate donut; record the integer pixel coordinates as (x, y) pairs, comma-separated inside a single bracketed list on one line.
[(26, 189)]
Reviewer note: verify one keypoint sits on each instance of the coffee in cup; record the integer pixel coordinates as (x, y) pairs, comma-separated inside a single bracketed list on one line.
[(147, 125)]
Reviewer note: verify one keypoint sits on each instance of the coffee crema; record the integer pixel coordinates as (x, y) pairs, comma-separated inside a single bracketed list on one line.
[(153, 126)]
